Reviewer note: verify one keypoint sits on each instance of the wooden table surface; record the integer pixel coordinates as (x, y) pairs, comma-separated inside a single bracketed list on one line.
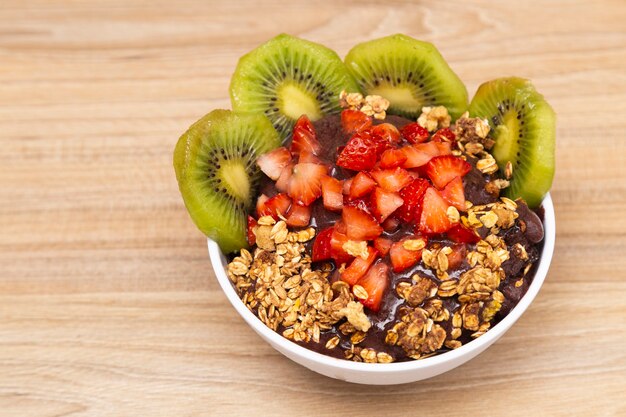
[(108, 304)]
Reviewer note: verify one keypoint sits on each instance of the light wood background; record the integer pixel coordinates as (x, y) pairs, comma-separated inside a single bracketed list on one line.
[(108, 304)]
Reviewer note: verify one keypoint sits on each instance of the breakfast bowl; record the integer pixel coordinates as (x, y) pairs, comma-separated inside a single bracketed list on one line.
[(400, 372)]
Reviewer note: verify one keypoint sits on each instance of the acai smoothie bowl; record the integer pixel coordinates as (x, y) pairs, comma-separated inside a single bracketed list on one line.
[(362, 217)]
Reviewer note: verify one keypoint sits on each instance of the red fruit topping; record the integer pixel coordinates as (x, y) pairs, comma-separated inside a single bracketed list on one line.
[(382, 245), (412, 195), (304, 137), (275, 206), (337, 251), (282, 184), (456, 258), (392, 179), (364, 204), (444, 135), (375, 282), (384, 203), (340, 226), (360, 153), (362, 184), (299, 216), (434, 218), (321, 245), (331, 193), (273, 162), (359, 267), (392, 158), (354, 121), (346, 186), (305, 185), (251, 225), (420, 154), (461, 234), (454, 194), (414, 133), (387, 131), (391, 224), (306, 156), (360, 225), (443, 169), (403, 258)]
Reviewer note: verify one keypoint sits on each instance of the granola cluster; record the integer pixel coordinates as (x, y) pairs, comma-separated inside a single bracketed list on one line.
[(372, 105)]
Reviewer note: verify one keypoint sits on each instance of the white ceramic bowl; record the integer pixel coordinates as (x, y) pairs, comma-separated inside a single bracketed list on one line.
[(392, 373)]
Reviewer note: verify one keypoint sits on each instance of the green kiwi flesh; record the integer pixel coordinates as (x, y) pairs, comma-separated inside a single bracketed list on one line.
[(409, 73), (215, 164), (287, 77), (524, 130)]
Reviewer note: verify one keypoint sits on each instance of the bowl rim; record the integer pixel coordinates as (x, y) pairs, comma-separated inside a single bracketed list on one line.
[(476, 345)]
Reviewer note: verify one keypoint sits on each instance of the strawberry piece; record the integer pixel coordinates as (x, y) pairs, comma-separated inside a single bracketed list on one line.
[(340, 226), (382, 245), (359, 267), (354, 121), (337, 252), (420, 154), (375, 282), (386, 131), (414, 133), (461, 234), (304, 137), (434, 218), (306, 156), (331, 193), (275, 206), (403, 258), (305, 184), (346, 186), (392, 158), (282, 184), (457, 256), (392, 180), (384, 203), (364, 204), (360, 153), (360, 225), (273, 162), (412, 195), (454, 194), (362, 184), (321, 245), (251, 225), (445, 135), (391, 224), (299, 216), (443, 169)]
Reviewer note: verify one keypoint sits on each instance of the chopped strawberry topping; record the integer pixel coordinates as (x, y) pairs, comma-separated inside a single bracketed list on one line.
[(391, 224), (420, 154), (461, 234), (364, 204), (412, 195), (375, 282), (454, 194), (306, 156), (304, 137), (346, 186), (444, 135), (360, 152), (392, 158), (360, 225), (443, 169), (359, 267), (362, 184), (299, 216), (414, 133), (392, 179), (251, 225), (434, 217), (331, 193), (457, 256), (305, 185), (384, 203), (321, 245), (282, 184), (275, 206), (382, 245), (354, 121), (403, 258), (337, 252), (386, 131), (273, 162)]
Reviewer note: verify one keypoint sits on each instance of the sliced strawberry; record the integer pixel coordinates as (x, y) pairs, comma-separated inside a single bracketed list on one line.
[(384, 203), (273, 162), (392, 158), (364, 204), (340, 226), (321, 245), (360, 225), (276, 206), (461, 234), (306, 156), (414, 133), (403, 258), (299, 216), (412, 195), (434, 218), (381, 144), (392, 180), (445, 135), (359, 266), (375, 282), (457, 256), (454, 194), (360, 153), (251, 225), (382, 245), (354, 121), (391, 224), (346, 186), (420, 154), (362, 184), (443, 169), (387, 131), (337, 252), (305, 184), (331, 193), (304, 137), (282, 184)]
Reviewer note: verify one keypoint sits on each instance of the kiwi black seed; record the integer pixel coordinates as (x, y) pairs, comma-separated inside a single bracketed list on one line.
[(287, 77), (409, 73), (524, 130), (215, 164)]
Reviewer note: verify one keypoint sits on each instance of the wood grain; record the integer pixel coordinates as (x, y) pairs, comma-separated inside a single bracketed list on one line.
[(108, 305)]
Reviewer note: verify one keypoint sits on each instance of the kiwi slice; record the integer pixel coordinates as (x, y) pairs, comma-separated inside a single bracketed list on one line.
[(288, 77), (215, 164), (409, 73), (524, 129)]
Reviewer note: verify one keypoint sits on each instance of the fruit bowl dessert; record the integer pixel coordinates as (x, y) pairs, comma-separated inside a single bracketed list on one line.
[(363, 217)]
